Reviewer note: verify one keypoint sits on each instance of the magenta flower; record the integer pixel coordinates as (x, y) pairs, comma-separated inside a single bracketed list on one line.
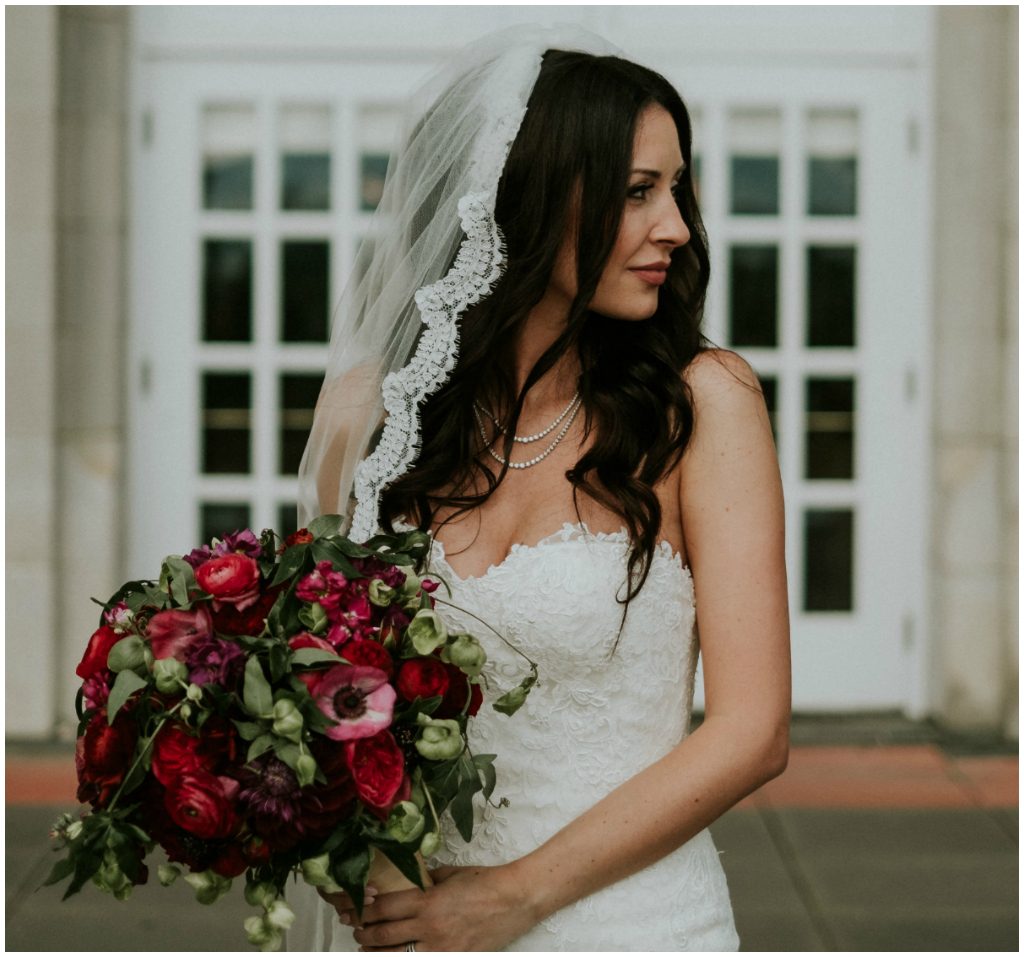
[(244, 542), (171, 633), (358, 698)]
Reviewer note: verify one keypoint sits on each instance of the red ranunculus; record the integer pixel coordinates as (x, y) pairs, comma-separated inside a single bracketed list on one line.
[(171, 633), (176, 752), (455, 697), (232, 580), (366, 651), (302, 537), (103, 755), (203, 804), (422, 678), (377, 766), (95, 659)]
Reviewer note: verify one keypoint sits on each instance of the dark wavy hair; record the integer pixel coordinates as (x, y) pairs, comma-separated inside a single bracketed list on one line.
[(572, 160)]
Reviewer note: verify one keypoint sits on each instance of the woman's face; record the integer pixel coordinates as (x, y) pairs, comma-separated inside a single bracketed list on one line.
[(651, 228)]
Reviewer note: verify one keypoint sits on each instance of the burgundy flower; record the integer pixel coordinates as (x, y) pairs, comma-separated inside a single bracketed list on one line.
[(229, 620), (203, 804), (198, 556), (171, 633), (103, 755), (244, 542), (368, 652), (422, 678), (377, 766), (215, 661), (459, 688)]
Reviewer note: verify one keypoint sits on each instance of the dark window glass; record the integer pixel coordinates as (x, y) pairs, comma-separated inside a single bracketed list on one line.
[(831, 307), (227, 182), (769, 386), (830, 434), (695, 167), (305, 181), (832, 186), (304, 290), (227, 290), (755, 185), (217, 519), (298, 398), (753, 295), (828, 560), (373, 167), (227, 422), (287, 520)]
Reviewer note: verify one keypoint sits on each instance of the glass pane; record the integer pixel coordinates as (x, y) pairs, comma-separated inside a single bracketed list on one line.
[(305, 137), (755, 185), (833, 187), (287, 520), (372, 168), (227, 290), (753, 295), (695, 167), (298, 398), (830, 439), (828, 560), (227, 422), (831, 278), (832, 148), (217, 519), (769, 386), (304, 290), (228, 135)]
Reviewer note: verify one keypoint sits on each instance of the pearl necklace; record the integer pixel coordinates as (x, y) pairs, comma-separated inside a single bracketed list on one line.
[(571, 410), (528, 438)]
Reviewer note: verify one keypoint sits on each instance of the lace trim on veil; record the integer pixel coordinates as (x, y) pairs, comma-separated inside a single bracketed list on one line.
[(477, 267)]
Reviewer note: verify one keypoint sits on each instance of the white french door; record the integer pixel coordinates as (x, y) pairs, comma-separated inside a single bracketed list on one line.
[(252, 185)]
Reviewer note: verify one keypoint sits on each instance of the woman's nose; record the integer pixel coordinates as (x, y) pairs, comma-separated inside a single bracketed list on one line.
[(671, 228)]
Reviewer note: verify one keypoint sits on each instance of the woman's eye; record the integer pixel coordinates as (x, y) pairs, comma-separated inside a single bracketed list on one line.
[(639, 191)]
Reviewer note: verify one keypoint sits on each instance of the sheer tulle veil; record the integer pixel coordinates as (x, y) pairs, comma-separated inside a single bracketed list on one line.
[(433, 250)]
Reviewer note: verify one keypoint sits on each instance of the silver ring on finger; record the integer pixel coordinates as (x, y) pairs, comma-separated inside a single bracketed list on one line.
[(411, 947)]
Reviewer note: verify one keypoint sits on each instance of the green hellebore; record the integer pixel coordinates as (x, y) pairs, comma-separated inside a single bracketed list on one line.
[(406, 822), (261, 934), (170, 674), (440, 739), (426, 631), (317, 872), (208, 886), (467, 654), (380, 594), (287, 719), (260, 895), (430, 843)]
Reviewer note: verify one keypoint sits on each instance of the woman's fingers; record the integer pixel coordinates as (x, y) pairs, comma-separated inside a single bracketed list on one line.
[(388, 935), (344, 904)]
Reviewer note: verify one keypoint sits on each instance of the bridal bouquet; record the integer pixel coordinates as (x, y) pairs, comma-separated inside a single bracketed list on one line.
[(270, 711)]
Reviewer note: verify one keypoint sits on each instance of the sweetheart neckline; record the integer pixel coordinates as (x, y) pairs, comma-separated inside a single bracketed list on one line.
[(563, 535)]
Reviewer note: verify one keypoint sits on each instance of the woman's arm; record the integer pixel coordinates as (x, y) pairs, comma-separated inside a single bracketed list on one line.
[(732, 509)]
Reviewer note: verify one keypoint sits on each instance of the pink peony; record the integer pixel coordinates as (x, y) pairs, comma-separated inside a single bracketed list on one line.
[(358, 698), (172, 633)]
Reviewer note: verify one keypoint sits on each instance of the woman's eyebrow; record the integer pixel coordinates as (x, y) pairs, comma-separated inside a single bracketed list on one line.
[(656, 174)]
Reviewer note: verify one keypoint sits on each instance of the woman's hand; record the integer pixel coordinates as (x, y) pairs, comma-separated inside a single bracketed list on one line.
[(467, 909)]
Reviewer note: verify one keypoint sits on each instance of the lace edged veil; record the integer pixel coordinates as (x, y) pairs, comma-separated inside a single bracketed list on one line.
[(434, 249)]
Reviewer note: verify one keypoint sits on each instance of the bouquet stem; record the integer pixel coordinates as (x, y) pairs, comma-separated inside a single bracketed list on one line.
[(387, 878)]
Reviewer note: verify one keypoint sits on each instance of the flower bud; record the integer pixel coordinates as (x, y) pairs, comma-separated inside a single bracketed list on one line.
[(186, 711), (317, 872), (128, 653), (406, 822), (260, 895), (411, 586), (380, 594), (111, 878), (279, 915), (430, 843), (511, 701), (305, 769), (261, 934), (467, 654), (208, 886), (287, 719), (170, 674), (426, 631), (314, 617), (440, 739)]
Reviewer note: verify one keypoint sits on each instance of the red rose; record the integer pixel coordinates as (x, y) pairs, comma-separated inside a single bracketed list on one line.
[(171, 633), (232, 580), (203, 804), (95, 659), (366, 651), (377, 766), (455, 697), (102, 757), (422, 678), (229, 620)]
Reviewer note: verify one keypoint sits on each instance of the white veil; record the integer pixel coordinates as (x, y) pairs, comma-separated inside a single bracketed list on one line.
[(433, 250)]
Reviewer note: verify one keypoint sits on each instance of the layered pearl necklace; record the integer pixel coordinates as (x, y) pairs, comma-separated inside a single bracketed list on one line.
[(570, 410)]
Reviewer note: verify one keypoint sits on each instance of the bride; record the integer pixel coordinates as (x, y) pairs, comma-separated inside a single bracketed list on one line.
[(519, 370)]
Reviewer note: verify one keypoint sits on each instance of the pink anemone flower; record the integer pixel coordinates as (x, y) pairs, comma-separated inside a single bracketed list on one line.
[(358, 698)]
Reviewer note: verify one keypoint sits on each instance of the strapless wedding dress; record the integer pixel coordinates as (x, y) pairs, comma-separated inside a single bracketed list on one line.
[(601, 713)]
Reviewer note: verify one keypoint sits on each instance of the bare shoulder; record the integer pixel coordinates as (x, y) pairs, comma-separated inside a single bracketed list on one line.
[(722, 374)]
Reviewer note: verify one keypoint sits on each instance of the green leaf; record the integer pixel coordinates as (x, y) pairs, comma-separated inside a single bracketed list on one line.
[(291, 563), (485, 765), (462, 812), (328, 552), (351, 872), (256, 693), (125, 685), (181, 577), (260, 746), (405, 859), (280, 657), (286, 751), (129, 652), (249, 730), (324, 525), (314, 656), (63, 868)]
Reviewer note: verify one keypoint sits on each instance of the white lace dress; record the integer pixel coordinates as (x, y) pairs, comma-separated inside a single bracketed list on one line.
[(595, 719)]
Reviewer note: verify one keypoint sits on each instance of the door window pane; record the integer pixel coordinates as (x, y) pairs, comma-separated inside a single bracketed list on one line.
[(227, 422), (830, 436), (227, 290), (299, 393), (228, 135), (217, 519), (769, 386), (372, 169), (753, 295), (831, 307), (304, 290), (832, 140), (305, 136), (755, 141), (287, 519), (377, 134), (828, 560)]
